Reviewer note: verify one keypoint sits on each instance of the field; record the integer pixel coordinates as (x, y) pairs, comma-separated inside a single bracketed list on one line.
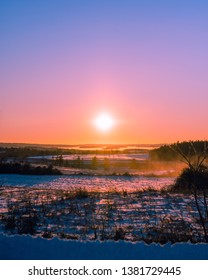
[(102, 194), (98, 208)]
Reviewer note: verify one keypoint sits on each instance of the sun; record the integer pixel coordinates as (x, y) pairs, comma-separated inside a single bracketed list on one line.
[(104, 122)]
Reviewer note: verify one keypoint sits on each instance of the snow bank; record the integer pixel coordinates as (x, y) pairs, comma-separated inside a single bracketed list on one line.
[(29, 248)]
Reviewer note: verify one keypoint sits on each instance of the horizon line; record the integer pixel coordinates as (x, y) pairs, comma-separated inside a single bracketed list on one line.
[(83, 144)]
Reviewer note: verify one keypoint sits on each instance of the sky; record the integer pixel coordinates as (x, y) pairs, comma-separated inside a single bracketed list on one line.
[(64, 63)]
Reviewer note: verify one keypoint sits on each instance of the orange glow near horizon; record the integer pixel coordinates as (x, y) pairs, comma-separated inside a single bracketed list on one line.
[(125, 123), (63, 65)]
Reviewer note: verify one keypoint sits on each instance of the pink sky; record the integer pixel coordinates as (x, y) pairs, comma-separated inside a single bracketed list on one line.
[(64, 63)]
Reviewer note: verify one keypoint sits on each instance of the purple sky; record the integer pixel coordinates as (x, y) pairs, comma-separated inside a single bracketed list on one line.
[(62, 63)]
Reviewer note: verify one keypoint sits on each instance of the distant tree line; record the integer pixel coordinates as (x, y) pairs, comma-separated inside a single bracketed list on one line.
[(26, 152), (78, 162), (96, 163), (27, 169), (23, 152), (169, 152)]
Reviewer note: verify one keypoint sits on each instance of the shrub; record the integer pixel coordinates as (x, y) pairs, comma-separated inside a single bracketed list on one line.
[(191, 180), (81, 193)]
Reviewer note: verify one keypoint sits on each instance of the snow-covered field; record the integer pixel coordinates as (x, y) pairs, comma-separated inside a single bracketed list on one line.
[(97, 208), (93, 183), (89, 217)]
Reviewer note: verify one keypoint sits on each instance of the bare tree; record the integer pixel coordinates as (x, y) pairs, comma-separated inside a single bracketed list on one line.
[(195, 160)]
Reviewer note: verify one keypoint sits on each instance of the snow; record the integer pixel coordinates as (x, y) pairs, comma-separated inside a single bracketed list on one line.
[(26, 247), (108, 214), (101, 183)]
